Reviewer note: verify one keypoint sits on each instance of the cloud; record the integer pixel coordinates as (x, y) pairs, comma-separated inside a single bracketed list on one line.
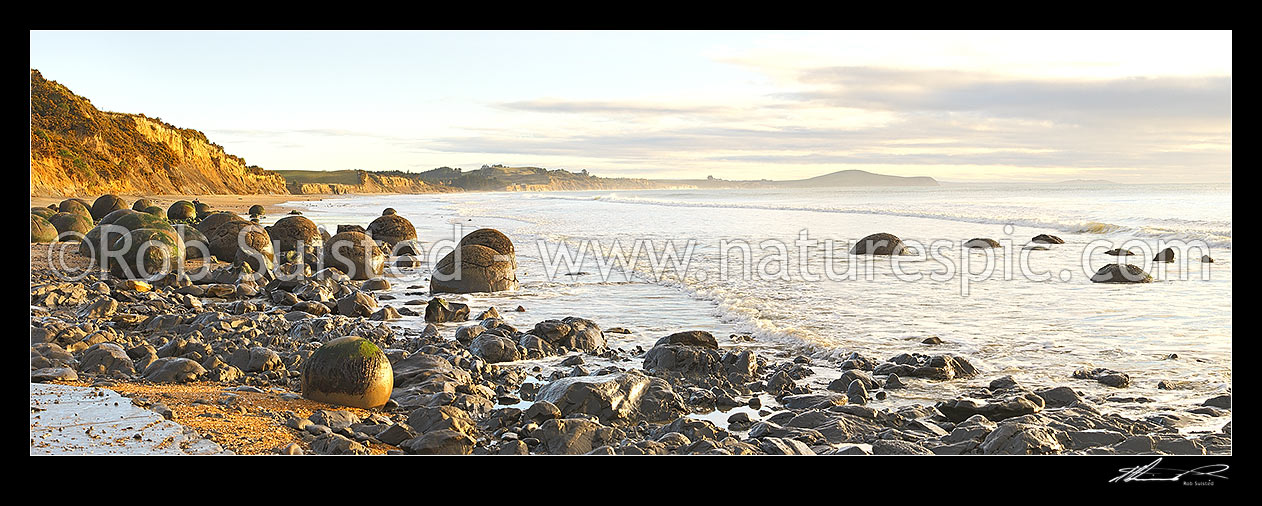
[(1105, 101), (633, 108)]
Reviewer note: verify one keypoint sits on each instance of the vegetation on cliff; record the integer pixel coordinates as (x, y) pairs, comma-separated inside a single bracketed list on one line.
[(77, 149)]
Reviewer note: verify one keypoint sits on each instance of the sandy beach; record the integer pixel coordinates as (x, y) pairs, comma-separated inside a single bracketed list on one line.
[(239, 204)]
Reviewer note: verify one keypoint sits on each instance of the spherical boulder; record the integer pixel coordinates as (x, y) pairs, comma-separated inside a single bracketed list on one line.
[(181, 210), (256, 210), (1047, 239), (102, 236), (391, 229), (71, 222), (205, 225), (142, 204), (76, 206), (981, 243), (106, 204), (473, 268), (43, 212), (1118, 273), (388, 211), (195, 243), (203, 209), (42, 230), (146, 252), (355, 254), (879, 244), (493, 239), (349, 371), (291, 231), (154, 210)]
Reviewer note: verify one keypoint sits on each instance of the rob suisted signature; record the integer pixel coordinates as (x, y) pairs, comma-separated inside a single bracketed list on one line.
[(1151, 472)]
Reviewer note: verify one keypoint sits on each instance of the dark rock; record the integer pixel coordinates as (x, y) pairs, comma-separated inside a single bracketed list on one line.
[(1115, 273), (440, 310)]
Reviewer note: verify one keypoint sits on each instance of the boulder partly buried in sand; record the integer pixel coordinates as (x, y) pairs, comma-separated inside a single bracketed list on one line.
[(981, 243), (292, 231), (42, 230), (473, 268), (181, 210), (879, 244), (355, 254), (1047, 239), (1121, 273), (391, 229), (146, 252), (71, 222), (106, 204), (350, 371), (493, 239)]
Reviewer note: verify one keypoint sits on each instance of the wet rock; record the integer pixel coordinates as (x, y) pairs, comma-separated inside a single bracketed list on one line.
[(431, 418), (1024, 439), (356, 304), (879, 244), (1059, 397), (53, 374), (479, 269), (571, 333), (571, 436), (174, 370), (1115, 273), (355, 254), (690, 338), (981, 243), (896, 447), (350, 371), (106, 359), (1165, 255), (1107, 377), (614, 397), (1221, 401), (494, 348), (996, 410), (781, 446), (856, 393), (337, 444), (440, 310), (1047, 239)]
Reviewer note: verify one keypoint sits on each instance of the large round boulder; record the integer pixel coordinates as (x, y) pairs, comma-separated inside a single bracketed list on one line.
[(102, 236), (493, 239), (203, 209), (142, 204), (879, 244), (473, 268), (210, 222), (355, 254), (981, 243), (1047, 239), (1121, 273), (195, 243), (43, 212), (76, 206), (290, 231), (350, 371), (106, 204), (71, 222), (391, 229), (146, 252), (181, 210), (42, 230), (256, 210)]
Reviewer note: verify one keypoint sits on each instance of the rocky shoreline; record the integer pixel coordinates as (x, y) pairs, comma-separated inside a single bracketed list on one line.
[(458, 391)]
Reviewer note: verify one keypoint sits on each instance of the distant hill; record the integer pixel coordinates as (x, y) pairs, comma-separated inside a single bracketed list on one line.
[(840, 178), (446, 179), (859, 178), (77, 149)]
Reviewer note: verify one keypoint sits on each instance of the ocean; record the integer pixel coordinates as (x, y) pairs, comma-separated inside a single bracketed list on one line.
[(772, 264)]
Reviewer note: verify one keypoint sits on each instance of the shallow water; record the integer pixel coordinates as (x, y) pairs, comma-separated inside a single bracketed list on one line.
[(1039, 331)]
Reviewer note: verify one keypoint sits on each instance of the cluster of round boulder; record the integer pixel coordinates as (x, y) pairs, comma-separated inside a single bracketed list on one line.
[(890, 245)]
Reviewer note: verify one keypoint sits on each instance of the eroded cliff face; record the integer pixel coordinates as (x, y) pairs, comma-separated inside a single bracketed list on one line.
[(370, 183), (78, 150)]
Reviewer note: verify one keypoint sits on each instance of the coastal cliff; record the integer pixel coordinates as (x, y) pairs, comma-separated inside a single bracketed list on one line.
[(77, 149)]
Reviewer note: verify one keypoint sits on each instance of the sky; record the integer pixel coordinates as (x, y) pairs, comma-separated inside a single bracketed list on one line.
[(1130, 107)]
